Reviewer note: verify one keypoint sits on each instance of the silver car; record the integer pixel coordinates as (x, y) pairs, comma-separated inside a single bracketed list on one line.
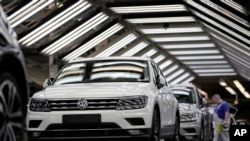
[(195, 119)]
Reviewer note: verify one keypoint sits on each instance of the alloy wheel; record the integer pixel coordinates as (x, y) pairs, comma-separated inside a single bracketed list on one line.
[(11, 127)]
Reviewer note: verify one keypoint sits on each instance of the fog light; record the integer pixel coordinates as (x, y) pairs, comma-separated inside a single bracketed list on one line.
[(135, 132), (36, 134)]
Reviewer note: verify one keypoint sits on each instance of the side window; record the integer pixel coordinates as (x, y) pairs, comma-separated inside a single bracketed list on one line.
[(154, 71), (161, 75), (3, 41)]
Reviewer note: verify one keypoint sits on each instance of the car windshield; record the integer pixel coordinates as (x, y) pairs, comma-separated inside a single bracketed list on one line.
[(184, 95), (103, 71)]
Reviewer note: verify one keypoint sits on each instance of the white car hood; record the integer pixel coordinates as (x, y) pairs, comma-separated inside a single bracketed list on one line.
[(93, 90), (187, 107)]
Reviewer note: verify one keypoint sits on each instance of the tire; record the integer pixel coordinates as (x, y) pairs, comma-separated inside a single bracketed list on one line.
[(176, 136), (202, 135), (155, 134), (11, 113)]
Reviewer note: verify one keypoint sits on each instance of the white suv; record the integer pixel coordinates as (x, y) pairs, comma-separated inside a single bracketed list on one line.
[(115, 97), (195, 118)]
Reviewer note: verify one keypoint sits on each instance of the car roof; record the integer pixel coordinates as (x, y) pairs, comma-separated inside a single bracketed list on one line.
[(181, 86), (110, 58)]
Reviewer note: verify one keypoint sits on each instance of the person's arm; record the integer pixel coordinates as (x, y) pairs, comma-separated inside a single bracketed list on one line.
[(226, 117), (227, 114)]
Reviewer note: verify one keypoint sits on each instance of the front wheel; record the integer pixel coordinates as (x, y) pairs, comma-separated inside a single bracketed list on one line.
[(11, 113), (155, 134), (176, 136)]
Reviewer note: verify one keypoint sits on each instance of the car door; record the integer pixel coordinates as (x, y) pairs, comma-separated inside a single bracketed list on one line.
[(163, 97), (205, 115)]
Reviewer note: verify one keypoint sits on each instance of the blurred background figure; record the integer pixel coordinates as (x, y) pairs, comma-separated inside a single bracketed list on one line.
[(221, 119)]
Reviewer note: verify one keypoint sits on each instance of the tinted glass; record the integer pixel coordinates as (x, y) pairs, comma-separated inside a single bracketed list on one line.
[(104, 71), (184, 95)]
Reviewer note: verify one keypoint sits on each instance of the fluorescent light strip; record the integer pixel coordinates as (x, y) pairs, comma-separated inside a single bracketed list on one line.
[(162, 20), (159, 58), (149, 9), (213, 70), (165, 64), (135, 49), (225, 12), (26, 13), (171, 69), (188, 52), (188, 80), (117, 46), (222, 27), (149, 53), (217, 74), (222, 83), (175, 74), (75, 34), (239, 59), (218, 17), (95, 41), (234, 5), (21, 10), (187, 46), (209, 67), (241, 88), (230, 90), (54, 23), (179, 79), (29, 12), (204, 62), (200, 57), (229, 38), (171, 30), (175, 39)]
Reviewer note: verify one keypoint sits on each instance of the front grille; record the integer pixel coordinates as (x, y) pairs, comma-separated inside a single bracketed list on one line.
[(79, 126), (93, 104)]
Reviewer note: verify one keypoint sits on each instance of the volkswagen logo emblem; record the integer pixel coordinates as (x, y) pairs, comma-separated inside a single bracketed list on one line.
[(82, 103)]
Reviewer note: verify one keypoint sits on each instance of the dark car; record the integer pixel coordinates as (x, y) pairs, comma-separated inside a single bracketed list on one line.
[(13, 85)]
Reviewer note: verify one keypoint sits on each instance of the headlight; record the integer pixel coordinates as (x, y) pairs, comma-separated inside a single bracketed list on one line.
[(39, 105), (133, 102), (188, 117)]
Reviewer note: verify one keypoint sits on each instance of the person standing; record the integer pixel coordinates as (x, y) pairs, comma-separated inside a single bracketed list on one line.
[(221, 119)]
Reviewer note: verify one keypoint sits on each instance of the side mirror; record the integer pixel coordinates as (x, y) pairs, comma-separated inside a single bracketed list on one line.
[(48, 82), (158, 82), (203, 102)]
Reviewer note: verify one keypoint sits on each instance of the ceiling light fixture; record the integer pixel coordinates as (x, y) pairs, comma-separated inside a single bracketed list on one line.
[(171, 30), (75, 34), (117, 46), (149, 9), (218, 17), (241, 89), (165, 64), (171, 69), (149, 53), (27, 11), (159, 58), (54, 23), (176, 39), (213, 57), (187, 45), (230, 90), (93, 42), (162, 20), (225, 12), (135, 49), (180, 78)]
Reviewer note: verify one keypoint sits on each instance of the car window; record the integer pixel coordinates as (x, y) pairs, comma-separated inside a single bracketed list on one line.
[(3, 41), (184, 95), (104, 71)]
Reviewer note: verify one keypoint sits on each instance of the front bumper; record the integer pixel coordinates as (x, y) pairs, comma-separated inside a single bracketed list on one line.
[(114, 124), (190, 130)]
